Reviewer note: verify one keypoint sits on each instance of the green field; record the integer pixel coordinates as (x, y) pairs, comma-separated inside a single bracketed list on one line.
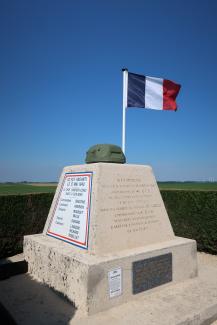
[(20, 188), (193, 186)]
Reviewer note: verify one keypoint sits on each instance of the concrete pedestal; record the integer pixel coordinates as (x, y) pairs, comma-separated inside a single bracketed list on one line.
[(83, 278), (108, 238)]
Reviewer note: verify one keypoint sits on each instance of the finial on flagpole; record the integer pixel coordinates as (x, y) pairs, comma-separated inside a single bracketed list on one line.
[(124, 69)]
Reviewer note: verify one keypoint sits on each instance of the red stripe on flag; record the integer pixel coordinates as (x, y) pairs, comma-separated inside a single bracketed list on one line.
[(170, 92)]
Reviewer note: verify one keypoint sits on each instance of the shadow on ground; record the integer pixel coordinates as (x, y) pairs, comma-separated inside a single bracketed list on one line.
[(30, 302), (6, 318)]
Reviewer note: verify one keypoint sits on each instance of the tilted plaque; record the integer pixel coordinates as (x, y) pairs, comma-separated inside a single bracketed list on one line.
[(70, 218), (151, 272)]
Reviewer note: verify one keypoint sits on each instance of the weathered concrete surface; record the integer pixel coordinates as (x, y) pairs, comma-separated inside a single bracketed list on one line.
[(193, 302), (12, 259), (84, 278)]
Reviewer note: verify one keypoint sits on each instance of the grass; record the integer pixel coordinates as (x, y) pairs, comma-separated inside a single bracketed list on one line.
[(17, 188), (194, 186), (20, 188)]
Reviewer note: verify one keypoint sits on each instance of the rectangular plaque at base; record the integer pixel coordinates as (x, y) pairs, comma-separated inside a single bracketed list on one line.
[(152, 272)]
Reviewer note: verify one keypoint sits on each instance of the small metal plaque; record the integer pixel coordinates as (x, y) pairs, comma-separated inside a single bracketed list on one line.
[(151, 272), (115, 282)]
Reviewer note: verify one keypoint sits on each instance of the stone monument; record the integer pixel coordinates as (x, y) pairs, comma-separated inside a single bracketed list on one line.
[(108, 238)]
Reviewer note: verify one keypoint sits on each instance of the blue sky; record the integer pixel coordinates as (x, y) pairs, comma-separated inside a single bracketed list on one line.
[(61, 84)]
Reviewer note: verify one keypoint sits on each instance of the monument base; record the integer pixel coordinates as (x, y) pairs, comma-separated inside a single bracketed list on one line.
[(96, 283)]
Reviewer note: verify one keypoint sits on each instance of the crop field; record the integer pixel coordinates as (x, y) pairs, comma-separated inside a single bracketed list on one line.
[(28, 188), (190, 186), (20, 188)]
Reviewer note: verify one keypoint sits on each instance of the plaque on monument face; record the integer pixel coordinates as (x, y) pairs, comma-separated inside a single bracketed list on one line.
[(70, 217), (152, 272)]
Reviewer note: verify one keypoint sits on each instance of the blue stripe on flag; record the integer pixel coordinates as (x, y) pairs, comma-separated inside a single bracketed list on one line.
[(136, 90)]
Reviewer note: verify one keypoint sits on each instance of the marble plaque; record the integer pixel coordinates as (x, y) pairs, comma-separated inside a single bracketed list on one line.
[(70, 219), (151, 272)]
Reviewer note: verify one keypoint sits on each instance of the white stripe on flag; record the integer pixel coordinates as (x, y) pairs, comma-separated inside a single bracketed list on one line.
[(154, 93)]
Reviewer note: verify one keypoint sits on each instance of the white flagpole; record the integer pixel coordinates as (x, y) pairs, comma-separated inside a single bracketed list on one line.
[(125, 86)]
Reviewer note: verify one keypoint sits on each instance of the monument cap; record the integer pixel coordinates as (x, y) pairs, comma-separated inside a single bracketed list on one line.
[(109, 153)]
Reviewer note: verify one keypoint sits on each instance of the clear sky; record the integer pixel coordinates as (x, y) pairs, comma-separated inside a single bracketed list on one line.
[(61, 84)]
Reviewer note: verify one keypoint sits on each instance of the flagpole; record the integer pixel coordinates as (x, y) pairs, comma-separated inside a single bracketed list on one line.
[(125, 84)]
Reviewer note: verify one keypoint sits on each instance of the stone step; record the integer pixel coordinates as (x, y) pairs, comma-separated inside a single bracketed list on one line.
[(13, 265)]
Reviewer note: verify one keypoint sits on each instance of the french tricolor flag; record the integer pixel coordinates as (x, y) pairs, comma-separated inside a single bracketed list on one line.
[(150, 92)]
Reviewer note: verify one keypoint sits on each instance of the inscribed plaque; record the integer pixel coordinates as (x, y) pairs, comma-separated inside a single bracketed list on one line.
[(152, 272), (115, 282), (70, 218)]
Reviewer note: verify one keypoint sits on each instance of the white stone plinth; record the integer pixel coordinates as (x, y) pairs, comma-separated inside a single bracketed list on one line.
[(83, 278)]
